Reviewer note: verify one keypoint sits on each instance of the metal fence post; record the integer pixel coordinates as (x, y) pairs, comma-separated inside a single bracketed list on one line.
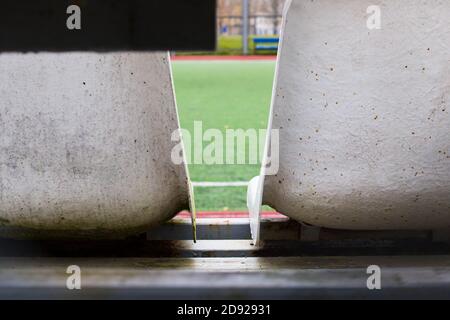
[(245, 25)]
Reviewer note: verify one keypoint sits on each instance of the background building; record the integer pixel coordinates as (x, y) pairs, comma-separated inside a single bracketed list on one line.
[(265, 17)]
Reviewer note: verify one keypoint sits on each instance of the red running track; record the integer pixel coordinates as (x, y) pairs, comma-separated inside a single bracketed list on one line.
[(228, 215), (223, 58)]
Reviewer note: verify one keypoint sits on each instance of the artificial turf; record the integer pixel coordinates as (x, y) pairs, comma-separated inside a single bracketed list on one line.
[(223, 95)]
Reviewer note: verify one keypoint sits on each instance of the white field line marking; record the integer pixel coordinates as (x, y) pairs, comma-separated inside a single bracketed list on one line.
[(219, 184)]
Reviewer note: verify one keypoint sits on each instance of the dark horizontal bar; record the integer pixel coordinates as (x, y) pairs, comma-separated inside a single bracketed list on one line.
[(108, 25), (264, 278), (430, 292), (218, 248)]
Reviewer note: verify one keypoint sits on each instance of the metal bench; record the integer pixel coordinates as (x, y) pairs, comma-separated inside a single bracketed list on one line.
[(266, 44)]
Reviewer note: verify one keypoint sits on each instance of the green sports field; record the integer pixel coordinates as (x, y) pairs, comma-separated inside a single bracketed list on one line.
[(223, 95)]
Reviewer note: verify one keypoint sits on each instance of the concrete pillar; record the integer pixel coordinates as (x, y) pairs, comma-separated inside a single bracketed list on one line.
[(85, 144), (364, 115)]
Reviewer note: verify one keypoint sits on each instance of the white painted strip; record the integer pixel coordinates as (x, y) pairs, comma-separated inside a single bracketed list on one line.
[(219, 184)]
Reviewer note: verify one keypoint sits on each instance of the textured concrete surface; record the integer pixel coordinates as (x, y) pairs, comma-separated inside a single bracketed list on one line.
[(85, 144), (364, 116)]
